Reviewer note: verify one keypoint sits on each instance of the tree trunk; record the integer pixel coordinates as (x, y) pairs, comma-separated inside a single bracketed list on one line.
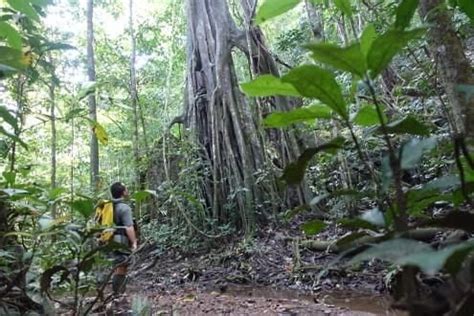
[(220, 117), (133, 97), (284, 143), (20, 101), (315, 20), (455, 68), (52, 98), (94, 145)]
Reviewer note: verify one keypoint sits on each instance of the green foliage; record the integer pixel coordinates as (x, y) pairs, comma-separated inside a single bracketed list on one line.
[(100, 133), (295, 171), (11, 60), (11, 34), (348, 59), (314, 82), (367, 38), (392, 250), (467, 7), (25, 6), (8, 117), (405, 12), (283, 119), (313, 227), (386, 46), (272, 8), (268, 85), (408, 125), (414, 149), (368, 116), (344, 6), (356, 223), (406, 252), (87, 89), (141, 196), (85, 207)]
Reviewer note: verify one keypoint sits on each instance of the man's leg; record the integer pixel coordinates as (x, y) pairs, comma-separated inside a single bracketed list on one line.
[(120, 274), (119, 280)]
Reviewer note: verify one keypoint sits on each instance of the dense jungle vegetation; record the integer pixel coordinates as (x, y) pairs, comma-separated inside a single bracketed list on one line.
[(318, 139)]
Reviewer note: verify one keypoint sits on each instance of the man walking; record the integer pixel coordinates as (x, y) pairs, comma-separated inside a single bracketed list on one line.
[(124, 234)]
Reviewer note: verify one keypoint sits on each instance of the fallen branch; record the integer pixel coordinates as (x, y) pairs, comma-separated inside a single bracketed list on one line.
[(421, 234)]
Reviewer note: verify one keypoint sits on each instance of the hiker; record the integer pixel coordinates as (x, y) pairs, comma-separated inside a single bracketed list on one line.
[(124, 234)]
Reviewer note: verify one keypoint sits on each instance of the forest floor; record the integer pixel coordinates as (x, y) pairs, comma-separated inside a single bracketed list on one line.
[(261, 277)]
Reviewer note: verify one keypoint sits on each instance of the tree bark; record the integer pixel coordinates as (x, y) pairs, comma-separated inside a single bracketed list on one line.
[(284, 143), (134, 96), (315, 20), (455, 68), (94, 145), (218, 114), (52, 99)]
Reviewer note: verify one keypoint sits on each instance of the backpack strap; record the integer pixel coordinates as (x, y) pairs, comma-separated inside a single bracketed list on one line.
[(118, 221)]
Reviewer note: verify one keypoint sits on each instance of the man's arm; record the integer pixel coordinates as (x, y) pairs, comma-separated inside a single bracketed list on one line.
[(127, 220), (130, 231)]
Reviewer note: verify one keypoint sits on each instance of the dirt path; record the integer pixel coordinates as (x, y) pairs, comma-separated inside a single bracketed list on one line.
[(248, 300), (262, 278)]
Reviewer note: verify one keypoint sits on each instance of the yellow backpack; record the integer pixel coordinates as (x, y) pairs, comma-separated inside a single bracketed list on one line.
[(104, 216)]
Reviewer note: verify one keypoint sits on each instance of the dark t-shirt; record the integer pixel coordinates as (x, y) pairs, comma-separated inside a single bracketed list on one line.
[(122, 214), (122, 218)]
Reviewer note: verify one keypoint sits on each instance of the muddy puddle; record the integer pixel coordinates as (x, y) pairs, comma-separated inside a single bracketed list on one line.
[(353, 303)]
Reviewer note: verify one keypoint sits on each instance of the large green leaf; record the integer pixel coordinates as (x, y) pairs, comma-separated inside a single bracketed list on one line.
[(419, 200), (8, 117), (55, 193), (314, 82), (392, 250), (268, 85), (408, 125), (12, 58), (13, 137), (467, 6), (56, 46), (140, 196), (443, 183), (344, 6), (458, 255), (431, 261), (455, 220), (272, 8), (348, 59), (100, 133), (374, 216), (386, 46), (84, 206), (348, 193), (282, 119), (356, 223), (13, 37), (368, 116), (413, 150), (87, 89), (294, 172), (405, 12), (24, 7), (10, 178), (367, 38), (313, 227)]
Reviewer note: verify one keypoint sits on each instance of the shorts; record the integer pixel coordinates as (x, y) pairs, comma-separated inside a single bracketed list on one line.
[(120, 256)]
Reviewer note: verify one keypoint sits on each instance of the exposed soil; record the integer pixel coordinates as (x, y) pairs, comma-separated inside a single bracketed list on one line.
[(264, 277)]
